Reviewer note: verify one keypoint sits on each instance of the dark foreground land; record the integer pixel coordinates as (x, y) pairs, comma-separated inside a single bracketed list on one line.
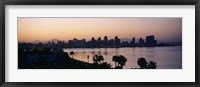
[(56, 58)]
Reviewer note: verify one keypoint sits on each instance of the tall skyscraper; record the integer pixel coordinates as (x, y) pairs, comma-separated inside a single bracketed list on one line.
[(141, 42), (105, 42), (133, 42), (99, 41), (117, 41), (93, 42), (150, 42)]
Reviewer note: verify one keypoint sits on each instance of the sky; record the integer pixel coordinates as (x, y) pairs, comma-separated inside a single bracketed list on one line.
[(44, 29)]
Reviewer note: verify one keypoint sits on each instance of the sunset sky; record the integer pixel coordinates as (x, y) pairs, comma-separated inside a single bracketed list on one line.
[(44, 29)]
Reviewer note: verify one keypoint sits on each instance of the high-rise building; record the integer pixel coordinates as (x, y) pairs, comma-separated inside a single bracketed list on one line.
[(99, 41), (105, 42), (141, 42), (93, 42), (150, 42), (117, 41), (111, 42), (155, 42), (133, 42)]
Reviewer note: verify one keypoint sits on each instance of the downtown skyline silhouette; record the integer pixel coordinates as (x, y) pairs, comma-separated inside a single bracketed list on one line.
[(100, 43), (44, 29)]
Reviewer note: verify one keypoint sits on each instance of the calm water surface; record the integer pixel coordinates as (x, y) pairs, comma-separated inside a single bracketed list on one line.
[(165, 57)]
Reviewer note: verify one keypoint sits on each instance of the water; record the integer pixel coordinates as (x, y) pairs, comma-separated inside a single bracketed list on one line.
[(165, 57)]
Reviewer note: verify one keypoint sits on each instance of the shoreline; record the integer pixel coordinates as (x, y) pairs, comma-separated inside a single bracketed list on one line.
[(120, 47)]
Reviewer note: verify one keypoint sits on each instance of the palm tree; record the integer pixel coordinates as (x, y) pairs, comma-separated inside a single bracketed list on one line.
[(152, 65), (72, 53), (122, 61), (119, 60), (88, 58), (142, 63), (100, 58), (114, 59), (97, 58)]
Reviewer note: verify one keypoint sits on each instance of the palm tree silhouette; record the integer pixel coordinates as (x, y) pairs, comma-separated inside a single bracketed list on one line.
[(122, 61), (152, 65), (142, 63), (95, 57), (101, 58), (98, 58), (72, 53), (88, 58), (114, 59), (119, 60)]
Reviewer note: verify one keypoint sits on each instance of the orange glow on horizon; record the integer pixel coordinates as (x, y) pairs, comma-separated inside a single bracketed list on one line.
[(44, 29)]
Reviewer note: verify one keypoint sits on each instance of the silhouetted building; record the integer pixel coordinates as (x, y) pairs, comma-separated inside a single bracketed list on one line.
[(93, 42), (150, 42), (99, 42), (141, 42), (84, 41), (133, 42), (49, 43), (75, 39), (111, 42), (117, 41), (155, 42), (105, 42), (125, 44)]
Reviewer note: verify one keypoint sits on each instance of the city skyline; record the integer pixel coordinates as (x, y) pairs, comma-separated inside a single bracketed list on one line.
[(44, 29), (102, 38), (116, 42), (53, 55)]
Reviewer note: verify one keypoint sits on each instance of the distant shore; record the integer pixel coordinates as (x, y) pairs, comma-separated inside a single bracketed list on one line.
[(121, 47)]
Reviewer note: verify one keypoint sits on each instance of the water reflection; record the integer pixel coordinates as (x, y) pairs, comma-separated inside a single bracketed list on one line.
[(105, 51), (165, 57), (150, 53), (116, 51)]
